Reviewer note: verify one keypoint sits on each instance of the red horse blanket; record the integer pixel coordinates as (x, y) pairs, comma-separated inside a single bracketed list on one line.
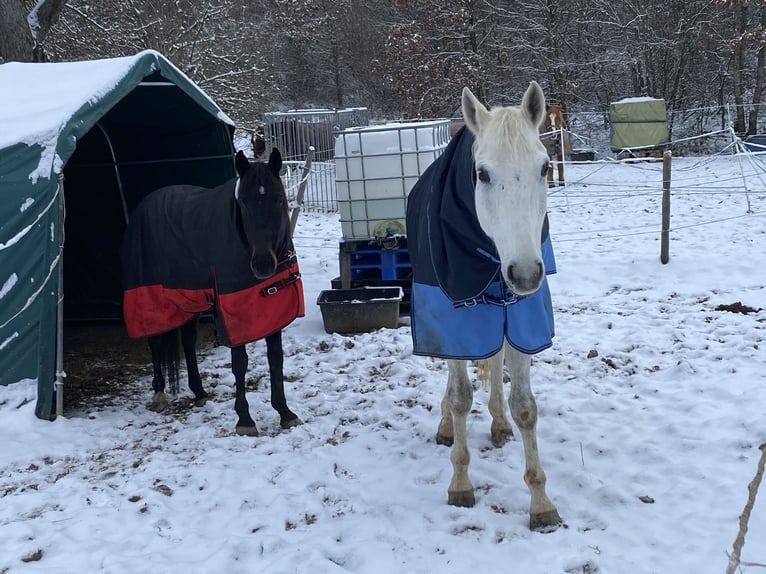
[(184, 254)]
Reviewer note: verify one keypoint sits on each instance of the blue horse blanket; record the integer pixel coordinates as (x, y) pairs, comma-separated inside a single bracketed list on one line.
[(461, 307)]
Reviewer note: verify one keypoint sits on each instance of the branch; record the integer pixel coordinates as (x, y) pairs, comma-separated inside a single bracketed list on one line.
[(42, 18), (752, 490)]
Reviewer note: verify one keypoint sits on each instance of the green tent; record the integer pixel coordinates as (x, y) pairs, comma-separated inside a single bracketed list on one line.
[(637, 123), (81, 143)]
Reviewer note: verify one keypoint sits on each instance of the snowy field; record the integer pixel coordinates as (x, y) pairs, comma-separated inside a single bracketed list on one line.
[(651, 401)]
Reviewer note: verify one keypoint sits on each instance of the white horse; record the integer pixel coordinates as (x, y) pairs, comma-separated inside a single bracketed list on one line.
[(510, 203)]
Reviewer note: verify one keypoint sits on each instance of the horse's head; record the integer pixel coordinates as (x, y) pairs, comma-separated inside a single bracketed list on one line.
[(263, 208), (510, 190)]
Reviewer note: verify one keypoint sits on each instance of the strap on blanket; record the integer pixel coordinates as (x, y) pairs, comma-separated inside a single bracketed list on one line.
[(509, 298), (281, 284)]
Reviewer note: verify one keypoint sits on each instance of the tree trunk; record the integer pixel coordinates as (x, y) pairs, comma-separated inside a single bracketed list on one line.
[(739, 62), (22, 35), (752, 126), (16, 43)]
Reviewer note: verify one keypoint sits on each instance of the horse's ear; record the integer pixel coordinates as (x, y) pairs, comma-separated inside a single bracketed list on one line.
[(275, 162), (474, 112), (533, 103), (241, 163)]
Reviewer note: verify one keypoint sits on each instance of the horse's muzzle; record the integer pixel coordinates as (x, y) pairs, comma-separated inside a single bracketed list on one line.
[(525, 279), (263, 265)]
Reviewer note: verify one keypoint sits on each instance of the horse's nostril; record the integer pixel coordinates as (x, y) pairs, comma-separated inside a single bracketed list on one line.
[(525, 278)]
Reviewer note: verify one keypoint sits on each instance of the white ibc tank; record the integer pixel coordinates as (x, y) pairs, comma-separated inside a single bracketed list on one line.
[(376, 168)]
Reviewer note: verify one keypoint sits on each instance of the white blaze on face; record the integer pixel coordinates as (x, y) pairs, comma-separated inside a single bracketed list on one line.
[(511, 191), (510, 206)]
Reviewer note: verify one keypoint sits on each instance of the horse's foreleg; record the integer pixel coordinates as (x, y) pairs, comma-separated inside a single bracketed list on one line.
[(549, 175), (459, 398), (275, 355), (245, 424), (560, 166), (501, 429), (542, 512), (189, 344)]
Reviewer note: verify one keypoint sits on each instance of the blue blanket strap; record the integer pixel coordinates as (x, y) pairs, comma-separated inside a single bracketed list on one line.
[(509, 298)]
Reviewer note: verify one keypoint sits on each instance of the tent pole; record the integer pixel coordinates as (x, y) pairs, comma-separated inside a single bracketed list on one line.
[(59, 385), (116, 172)]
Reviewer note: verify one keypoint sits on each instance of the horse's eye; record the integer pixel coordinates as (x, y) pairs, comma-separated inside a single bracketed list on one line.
[(544, 171), (482, 174)]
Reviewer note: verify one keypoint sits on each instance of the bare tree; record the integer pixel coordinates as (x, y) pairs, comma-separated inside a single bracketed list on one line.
[(411, 57), (326, 50), (212, 41), (747, 45), (431, 52)]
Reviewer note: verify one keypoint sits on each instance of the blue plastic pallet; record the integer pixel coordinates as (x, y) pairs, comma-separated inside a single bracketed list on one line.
[(372, 261)]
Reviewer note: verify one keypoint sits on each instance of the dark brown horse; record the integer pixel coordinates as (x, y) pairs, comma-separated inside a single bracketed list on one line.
[(190, 250)]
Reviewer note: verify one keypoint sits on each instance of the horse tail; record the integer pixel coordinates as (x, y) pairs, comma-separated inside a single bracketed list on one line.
[(484, 372), (167, 357), (485, 368)]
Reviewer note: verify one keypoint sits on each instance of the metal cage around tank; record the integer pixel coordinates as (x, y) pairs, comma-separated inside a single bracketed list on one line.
[(376, 167)]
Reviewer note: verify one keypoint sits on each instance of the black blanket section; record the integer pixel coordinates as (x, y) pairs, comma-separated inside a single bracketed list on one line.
[(183, 254)]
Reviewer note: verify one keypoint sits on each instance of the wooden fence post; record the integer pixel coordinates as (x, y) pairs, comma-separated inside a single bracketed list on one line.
[(665, 238), (301, 189)]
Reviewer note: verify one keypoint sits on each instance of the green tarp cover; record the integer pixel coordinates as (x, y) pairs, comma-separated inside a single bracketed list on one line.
[(637, 123), (95, 137)]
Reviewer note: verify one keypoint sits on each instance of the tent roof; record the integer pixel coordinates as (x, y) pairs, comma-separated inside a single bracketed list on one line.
[(39, 101)]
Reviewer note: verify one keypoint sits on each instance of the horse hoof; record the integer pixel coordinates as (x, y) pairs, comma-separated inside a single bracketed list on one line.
[(159, 403), (200, 402), (247, 431), (291, 423), (444, 439), (546, 521), (462, 498), (500, 436)]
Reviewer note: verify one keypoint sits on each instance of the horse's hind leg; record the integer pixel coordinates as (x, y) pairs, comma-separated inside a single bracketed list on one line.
[(501, 429), (189, 344), (245, 424), (445, 434), (459, 399), (156, 348), (542, 512), (275, 355), (162, 359)]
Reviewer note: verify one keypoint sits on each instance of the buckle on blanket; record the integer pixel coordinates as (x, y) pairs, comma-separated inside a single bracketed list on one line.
[(509, 299), (279, 285)]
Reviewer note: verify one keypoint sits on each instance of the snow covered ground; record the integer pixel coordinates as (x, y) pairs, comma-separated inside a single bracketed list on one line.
[(651, 404)]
